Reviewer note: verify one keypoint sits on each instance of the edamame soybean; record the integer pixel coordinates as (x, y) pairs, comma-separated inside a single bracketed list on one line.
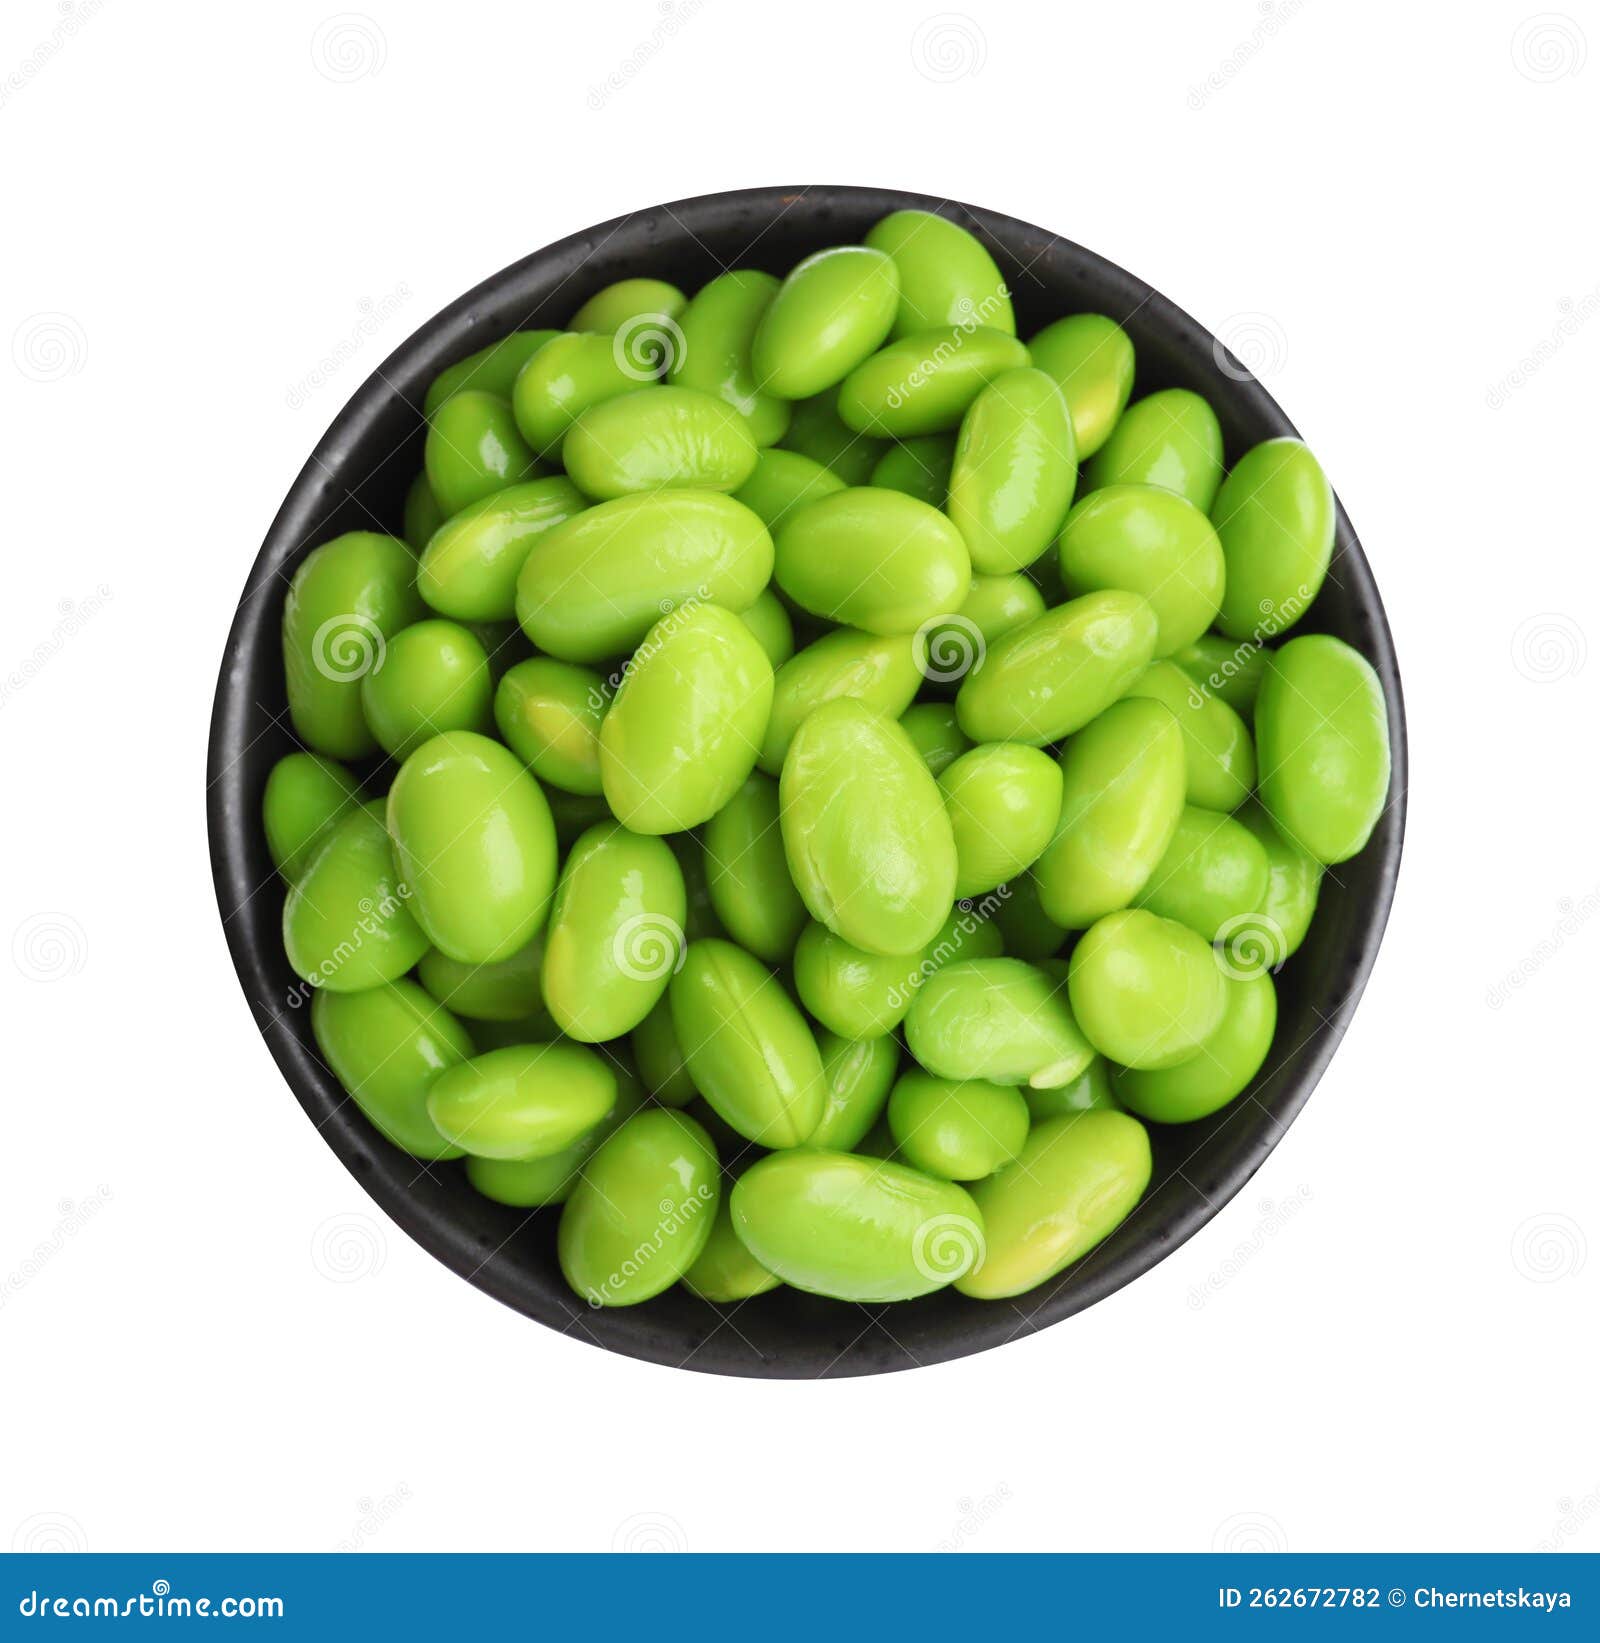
[(525, 1101), (656, 438), (878, 670), (866, 832), (1044, 680), (1212, 877), (1219, 1071), (686, 725), (1076, 1180), (831, 312), (595, 585), (1004, 800), (549, 714), (747, 1047), (1146, 991), (857, 1075), (387, 1045), (474, 844), (718, 329), (924, 383), (304, 794), (957, 1131), (1172, 439), (576, 371), (641, 1212), (470, 564), (748, 873), (1219, 755), (474, 447), (433, 676), (1324, 735), (615, 934), (999, 1020), (947, 275), (872, 559), (1091, 359), (853, 1228)]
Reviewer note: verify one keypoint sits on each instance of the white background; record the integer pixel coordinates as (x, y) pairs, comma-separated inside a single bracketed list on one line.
[(212, 1339)]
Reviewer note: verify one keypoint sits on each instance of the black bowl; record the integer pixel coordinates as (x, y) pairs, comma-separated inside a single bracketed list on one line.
[(357, 478)]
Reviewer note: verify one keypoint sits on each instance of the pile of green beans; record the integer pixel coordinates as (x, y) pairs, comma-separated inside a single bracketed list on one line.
[(815, 777)]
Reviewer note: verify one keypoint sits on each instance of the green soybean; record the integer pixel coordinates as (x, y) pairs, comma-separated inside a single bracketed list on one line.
[(725, 1270), (857, 1076), (866, 833), (473, 448), (816, 431), (1003, 800), (923, 383), (879, 670), (852, 992), (871, 559), (1121, 800), (1089, 1090), (1284, 916), (1324, 746), (1044, 680), (719, 328), (626, 301), (1151, 542), (769, 622), (470, 564), (999, 1020), (615, 933), (532, 1183), (937, 736), (422, 514), (1275, 517), (347, 921), (1222, 1067), (1212, 876), (1229, 668), (1147, 991), (1076, 1180), (1091, 359), (947, 275), (525, 1101), (1172, 439), (1026, 930), (832, 310), (747, 1046), (853, 1228), (918, 467), (492, 369), (961, 1132), (1219, 756), (507, 990), (655, 438), (687, 722), (641, 1211), (783, 482), (386, 1045), (574, 372), (474, 844), (549, 714), (659, 1057), (1014, 472), (346, 600), (748, 874), (594, 586), (303, 795), (432, 676)]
